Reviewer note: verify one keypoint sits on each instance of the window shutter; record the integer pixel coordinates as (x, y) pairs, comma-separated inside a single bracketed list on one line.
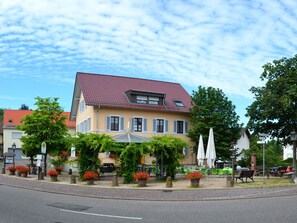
[(132, 125), (108, 123), (166, 125), (145, 125), (154, 125), (122, 124), (175, 127), (186, 151), (186, 127)]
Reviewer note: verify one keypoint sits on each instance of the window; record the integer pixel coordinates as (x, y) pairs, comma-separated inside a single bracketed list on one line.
[(186, 151), (180, 127), (82, 106), (153, 101), (16, 135), (160, 125), (141, 99), (139, 124), (179, 104), (114, 123), (84, 126)]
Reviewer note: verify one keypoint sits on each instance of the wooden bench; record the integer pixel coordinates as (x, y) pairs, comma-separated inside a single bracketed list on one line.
[(245, 174)]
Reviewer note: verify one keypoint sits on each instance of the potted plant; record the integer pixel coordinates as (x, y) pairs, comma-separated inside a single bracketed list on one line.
[(90, 176), (12, 170), (24, 171), (59, 169), (53, 174), (142, 178), (19, 173), (194, 177)]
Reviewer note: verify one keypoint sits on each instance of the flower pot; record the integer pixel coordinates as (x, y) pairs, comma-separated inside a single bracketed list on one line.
[(19, 173), (25, 174), (195, 182), (142, 183), (54, 178), (12, 172), (90, 181)]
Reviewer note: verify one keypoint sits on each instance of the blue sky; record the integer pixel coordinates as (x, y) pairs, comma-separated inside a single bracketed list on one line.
[(217, 43)]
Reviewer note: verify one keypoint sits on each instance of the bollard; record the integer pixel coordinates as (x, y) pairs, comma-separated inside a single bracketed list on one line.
[(3, 170), (40, 176), (115, 182), (73, 179), (169, 182), (229, 181)]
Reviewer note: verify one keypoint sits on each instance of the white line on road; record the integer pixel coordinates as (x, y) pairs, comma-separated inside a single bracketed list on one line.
[(101, 215)]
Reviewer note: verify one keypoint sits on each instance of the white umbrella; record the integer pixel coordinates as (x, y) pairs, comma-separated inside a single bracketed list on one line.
[(200, 153), (211, 150)]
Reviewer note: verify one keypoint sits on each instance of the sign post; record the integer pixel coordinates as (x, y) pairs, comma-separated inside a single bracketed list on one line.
[(43, 151)]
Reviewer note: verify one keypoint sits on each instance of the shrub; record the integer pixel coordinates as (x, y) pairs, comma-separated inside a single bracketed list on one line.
[(89, 175), (141, 176), (194, 175)]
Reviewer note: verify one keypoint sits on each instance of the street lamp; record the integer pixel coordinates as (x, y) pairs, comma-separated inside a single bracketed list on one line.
[(293, 138), (13, 151)]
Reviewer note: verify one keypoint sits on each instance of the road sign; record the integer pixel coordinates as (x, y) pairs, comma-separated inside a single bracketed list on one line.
[(43, 148), (260, 142)]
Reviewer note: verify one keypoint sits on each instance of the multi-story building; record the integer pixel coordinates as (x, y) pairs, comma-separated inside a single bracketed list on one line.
[(131, 109)]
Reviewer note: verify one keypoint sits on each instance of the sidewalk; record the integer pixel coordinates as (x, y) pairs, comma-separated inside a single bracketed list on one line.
[(211, 189)]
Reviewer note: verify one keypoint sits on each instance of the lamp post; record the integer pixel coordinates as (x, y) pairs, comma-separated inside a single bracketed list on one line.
[(13, 151), (293, 138)]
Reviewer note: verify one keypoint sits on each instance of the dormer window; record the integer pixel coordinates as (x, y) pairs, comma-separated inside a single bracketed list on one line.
[(149, 98), (179, 104)]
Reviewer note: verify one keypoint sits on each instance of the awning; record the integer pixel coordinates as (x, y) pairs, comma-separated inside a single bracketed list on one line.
[(130, 137)]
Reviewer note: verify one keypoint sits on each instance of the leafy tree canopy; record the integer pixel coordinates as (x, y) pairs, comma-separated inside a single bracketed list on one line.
[(274, 110), (24, 107), (45, 124), (1, 113), (213, 109)]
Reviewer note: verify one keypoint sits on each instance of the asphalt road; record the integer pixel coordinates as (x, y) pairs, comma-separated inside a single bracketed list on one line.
[(24, 206)]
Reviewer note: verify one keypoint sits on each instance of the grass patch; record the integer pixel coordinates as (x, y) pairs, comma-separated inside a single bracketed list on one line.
[(266, 183)]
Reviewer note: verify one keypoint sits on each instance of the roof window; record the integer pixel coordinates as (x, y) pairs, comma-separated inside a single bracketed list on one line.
[(179, 104)]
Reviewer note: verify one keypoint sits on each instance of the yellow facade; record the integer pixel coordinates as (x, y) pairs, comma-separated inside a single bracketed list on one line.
[(97, 117)]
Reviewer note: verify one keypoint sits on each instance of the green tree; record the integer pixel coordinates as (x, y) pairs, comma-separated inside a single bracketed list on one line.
[(24, 107), (274, 110), (88, 147), (167, 150), (45, 124), (211, 108), (1, 113)]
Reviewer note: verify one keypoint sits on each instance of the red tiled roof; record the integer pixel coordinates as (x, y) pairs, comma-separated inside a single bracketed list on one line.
[(14, 117), (108, 90)]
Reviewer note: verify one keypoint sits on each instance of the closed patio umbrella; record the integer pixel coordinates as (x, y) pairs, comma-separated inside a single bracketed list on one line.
[(210, 150), (200, 152)]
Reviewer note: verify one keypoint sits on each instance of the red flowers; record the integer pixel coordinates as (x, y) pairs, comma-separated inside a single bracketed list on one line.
[(52, 173), (23, 169), (194, 175), (89, 175), (11, 168), (141, 176)]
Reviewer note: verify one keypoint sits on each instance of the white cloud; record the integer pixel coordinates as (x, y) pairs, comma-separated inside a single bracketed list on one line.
[(212, 43)]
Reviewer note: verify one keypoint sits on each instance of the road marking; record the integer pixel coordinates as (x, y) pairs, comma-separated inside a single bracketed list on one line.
[(101, 215)]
